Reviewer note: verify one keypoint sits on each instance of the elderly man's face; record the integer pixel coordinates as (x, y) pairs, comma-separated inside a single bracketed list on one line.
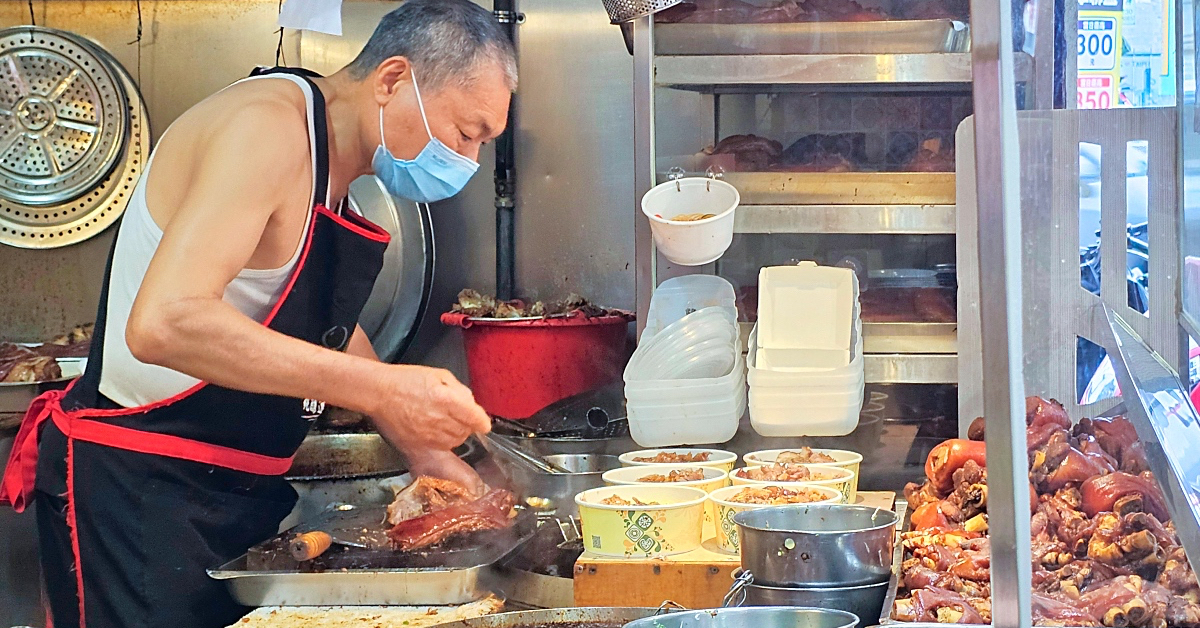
[(463, 118)]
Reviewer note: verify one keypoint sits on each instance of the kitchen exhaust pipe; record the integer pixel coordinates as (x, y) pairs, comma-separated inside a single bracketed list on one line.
[(505, 175)]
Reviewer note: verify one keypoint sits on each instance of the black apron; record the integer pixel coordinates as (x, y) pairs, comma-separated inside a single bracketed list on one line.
[(134, 504)]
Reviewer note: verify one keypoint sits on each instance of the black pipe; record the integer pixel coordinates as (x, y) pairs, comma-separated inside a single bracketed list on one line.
[(505, 177)]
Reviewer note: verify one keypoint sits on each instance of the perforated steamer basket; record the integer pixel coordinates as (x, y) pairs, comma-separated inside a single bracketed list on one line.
[(621, 11), (73, 137)]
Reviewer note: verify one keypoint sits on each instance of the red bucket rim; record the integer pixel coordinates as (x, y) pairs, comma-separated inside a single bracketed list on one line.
[(577, 319)]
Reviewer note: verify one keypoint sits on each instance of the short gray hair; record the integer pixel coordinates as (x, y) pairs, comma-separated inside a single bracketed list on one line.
[(445, 40)]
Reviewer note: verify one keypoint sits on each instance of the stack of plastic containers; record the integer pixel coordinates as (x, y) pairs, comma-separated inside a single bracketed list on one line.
[(686, 382), (805, 358)]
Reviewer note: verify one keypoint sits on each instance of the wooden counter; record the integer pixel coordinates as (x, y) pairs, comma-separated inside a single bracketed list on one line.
[(696, 579)]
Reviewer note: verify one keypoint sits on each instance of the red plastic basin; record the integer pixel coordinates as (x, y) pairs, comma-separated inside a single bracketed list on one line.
[(520, 366)]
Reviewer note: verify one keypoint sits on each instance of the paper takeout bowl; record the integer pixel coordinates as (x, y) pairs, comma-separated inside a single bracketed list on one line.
[(717, 458), (727, 530), (838, 478), (851, 460), (673, 524)]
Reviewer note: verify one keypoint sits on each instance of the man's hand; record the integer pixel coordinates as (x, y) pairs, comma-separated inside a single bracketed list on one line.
[(427, 408), (445, 465)]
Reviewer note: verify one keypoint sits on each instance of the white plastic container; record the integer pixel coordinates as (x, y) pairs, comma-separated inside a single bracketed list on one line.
[(697, 242), (789, 421), (666, 425), (679, 296), (807, 307)]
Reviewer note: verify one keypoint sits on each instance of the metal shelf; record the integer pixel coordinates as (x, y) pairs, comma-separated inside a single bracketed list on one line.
[(862, 71), (911, 369), (898, 368), (893, 219)]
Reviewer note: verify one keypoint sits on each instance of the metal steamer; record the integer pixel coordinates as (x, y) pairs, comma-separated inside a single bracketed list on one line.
[(74, 135)]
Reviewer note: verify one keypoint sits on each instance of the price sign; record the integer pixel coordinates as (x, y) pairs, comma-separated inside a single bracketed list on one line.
[(1098, 43), (1095, 91)]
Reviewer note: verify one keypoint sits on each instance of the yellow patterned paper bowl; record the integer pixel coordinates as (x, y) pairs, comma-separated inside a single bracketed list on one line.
[(671, 521), (839, 478), (714, 478), (843, 457), (717, 458), (727, 530)]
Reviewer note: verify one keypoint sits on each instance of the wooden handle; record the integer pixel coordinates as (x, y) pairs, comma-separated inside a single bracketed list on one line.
[(310, 545)]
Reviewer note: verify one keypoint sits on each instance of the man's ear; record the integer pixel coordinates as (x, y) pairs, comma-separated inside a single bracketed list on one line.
[(387, 78)]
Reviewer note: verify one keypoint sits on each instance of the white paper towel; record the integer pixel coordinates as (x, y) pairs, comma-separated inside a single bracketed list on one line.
[(322, 16)]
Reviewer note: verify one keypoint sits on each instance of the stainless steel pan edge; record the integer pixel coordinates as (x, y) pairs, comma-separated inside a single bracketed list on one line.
[(399, 587), (551, 616)]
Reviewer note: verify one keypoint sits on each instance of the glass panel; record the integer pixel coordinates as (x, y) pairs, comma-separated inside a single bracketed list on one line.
[(1125, 54), (1090, 156), (1191, 168), (872, 257), (1095, 379), (1137, 197)]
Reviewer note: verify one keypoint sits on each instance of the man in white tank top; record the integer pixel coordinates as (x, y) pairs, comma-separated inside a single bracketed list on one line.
[(216, 224)]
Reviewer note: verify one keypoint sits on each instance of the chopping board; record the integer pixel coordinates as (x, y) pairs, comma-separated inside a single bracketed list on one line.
[(366, 616), (696, 579)]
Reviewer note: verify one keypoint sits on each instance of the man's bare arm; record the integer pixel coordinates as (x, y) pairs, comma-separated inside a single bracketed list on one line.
[(441, 463), (180, 321)]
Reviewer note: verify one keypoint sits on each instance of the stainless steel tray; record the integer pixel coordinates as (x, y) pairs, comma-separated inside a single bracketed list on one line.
[(910, 337), (357, 587), (880, 37), (842, 188), (423, 585)]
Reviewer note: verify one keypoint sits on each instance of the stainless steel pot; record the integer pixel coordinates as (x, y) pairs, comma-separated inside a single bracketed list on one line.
[(559, 489), (751, 617), (865, 601), (817, 546), (582, 617)]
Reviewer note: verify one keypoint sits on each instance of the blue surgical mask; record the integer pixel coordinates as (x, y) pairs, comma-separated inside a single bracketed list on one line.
[(436, 174)]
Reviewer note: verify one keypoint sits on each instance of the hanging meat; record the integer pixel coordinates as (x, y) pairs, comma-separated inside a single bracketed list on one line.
[(1104, 550), (430, 511)]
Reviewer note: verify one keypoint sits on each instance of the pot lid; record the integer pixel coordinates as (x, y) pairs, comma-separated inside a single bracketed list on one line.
[(74, 136), (392, 315)]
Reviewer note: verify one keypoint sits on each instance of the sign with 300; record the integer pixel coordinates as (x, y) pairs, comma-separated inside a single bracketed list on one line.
[(1098, 58), (1098, 41)]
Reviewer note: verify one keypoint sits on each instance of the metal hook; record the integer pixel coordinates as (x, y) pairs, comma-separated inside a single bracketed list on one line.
[(741, 579), (675, 173), (713, 172), (668, 606)]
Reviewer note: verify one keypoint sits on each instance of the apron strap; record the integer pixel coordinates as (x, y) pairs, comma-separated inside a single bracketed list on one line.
[(16, 486), (317, 124), (169, 446)]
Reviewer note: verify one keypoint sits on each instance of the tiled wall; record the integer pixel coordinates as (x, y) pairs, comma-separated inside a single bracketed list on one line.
[(894, 124)]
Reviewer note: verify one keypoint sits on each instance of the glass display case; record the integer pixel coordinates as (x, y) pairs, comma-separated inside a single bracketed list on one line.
[(836, 121), (1070, 233)]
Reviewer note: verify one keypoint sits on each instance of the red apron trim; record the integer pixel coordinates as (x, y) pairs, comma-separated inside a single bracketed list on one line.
[(166, 445), (17, 484), (357, 224), (96, 412), (73, 526)]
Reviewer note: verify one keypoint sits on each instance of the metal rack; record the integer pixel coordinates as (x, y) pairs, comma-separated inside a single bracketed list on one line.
[(718, 60)]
